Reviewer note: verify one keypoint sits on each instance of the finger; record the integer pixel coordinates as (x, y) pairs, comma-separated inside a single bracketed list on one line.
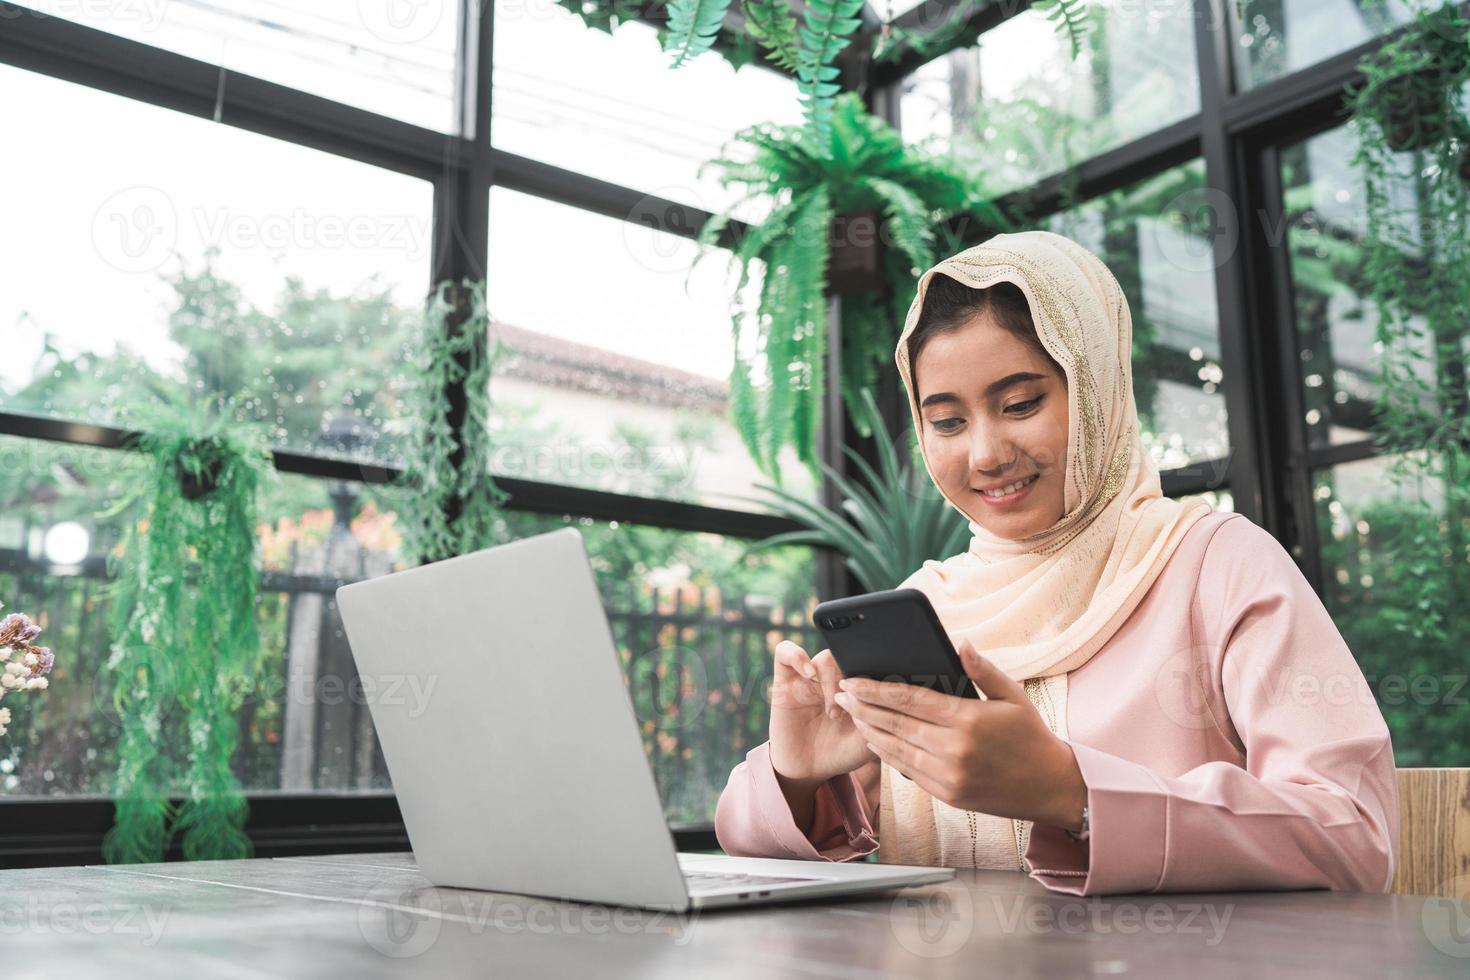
[(911, 699), (990, 679), (793, 658), (829, 675), (796, 678), (914, 763), (919, 732)]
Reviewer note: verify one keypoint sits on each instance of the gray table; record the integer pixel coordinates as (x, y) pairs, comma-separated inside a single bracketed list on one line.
[(366, 915)]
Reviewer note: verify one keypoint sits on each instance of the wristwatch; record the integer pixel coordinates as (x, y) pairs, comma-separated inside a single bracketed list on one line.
[(1086, 830)]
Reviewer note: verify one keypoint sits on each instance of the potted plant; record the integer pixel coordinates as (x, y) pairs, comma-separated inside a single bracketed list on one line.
[(892, 519), (185, 639), (815, 199)]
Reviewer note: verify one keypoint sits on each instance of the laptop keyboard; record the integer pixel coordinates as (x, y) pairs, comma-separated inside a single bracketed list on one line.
[(705, 880)]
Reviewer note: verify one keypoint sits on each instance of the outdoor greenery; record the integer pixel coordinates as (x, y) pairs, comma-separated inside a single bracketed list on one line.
[(340, 362)]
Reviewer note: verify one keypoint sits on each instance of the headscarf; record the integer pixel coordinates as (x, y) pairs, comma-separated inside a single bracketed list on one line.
[(1041, 606)]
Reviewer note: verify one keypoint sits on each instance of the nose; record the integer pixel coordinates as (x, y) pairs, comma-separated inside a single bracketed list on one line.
[(990, 452)]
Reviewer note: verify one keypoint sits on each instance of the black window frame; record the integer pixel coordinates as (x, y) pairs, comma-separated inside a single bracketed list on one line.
[(1237, 134)]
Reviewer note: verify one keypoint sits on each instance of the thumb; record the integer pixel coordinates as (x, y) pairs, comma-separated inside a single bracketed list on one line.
[(990, 679)]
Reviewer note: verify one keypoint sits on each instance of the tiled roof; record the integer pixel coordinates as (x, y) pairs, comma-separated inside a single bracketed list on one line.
[(542, 358)]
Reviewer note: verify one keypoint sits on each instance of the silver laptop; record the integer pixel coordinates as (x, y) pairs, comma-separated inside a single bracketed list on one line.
[(514, 750)]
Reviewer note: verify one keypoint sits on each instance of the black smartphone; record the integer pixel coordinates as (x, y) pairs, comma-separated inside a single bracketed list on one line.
[(892, 636)]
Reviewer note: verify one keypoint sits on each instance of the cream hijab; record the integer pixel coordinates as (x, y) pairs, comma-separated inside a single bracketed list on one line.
[(1043, 605)]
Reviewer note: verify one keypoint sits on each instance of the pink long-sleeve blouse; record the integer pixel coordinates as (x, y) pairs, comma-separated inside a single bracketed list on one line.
[(1226, 735)]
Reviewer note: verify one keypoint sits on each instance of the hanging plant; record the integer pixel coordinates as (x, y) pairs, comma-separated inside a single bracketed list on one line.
[(185, 642), (1410, 118), (449, 507), (776, 389), (1410, 85)]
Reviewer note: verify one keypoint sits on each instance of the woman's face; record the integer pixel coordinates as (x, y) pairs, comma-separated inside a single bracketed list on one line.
[(994, 413)]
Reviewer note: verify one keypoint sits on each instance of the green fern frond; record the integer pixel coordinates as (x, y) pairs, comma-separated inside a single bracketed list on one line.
[(1071, 18), (693, 26), (828, 28), (772, 23)]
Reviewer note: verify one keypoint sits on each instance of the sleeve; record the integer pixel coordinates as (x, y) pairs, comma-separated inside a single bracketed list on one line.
[(1315, 804), (753, 819)]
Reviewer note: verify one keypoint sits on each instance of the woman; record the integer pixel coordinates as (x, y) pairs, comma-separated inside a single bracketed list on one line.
[(1168, 705)]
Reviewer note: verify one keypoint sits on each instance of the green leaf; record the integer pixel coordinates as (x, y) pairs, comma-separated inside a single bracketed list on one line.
[(693, 26)]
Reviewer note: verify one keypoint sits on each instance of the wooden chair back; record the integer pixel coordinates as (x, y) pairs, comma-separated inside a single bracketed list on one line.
[(1434, 833)]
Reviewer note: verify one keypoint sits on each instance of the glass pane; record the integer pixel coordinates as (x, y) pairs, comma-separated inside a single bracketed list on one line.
[(694, 628), (613, 376), (1017, 108), (203, 254), (610, 107), (1156, 238), (1276, 37), (387, 56), (1395, 576), (1337, 323)]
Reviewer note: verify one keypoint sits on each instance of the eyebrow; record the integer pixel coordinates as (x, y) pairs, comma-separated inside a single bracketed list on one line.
[(992, 389)]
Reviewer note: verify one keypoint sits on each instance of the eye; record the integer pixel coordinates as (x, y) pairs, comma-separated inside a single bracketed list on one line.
[(939, 424), (1024, 407)]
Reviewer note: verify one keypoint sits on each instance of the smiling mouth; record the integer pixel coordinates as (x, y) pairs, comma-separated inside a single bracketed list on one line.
[(1011, 488)]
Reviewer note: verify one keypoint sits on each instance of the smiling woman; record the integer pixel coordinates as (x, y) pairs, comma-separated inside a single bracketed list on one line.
[(992, 394), (1143, 658)]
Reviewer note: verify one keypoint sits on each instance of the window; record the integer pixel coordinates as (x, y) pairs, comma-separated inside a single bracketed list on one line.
[(693, 624), (613, 375), (206, 255), (608, 105), (387, 56), (1016, 107), (1156, 238), (1276, 37), (1336, 322), (1396, 573)]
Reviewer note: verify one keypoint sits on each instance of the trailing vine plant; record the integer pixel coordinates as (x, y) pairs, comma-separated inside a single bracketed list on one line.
[(1410, 116), (185, 641), (776, 386), (449, 504)]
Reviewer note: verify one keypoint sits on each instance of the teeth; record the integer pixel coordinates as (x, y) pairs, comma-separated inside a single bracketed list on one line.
[(1010, 489)]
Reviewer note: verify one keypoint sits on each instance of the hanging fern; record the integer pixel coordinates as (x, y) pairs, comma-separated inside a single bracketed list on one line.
[(776, 384), (186, 646), (1070, 17), (773, 26), (828, 28), (447, 509), (693, 27)]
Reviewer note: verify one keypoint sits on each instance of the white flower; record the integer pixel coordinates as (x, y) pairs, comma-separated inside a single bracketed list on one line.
[(37, 684), (4, 716), (9, 680), (30, 660)]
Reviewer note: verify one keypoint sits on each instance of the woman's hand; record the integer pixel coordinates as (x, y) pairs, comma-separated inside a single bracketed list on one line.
[(812, 739), (993, 756)]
